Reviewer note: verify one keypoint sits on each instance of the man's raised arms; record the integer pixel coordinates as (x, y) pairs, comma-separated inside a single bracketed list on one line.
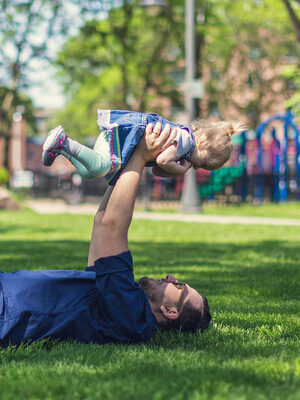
[(111, 225)]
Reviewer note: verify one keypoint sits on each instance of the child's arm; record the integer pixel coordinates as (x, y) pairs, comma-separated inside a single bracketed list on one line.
[(184, 166), (168, 165), (157, 171)]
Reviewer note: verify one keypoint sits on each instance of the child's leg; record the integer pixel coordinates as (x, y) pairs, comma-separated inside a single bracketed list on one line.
[(101, 147), (81, 169), (97, 163)]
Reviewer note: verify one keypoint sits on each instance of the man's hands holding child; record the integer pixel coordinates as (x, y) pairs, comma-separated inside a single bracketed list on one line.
[(155, 141)]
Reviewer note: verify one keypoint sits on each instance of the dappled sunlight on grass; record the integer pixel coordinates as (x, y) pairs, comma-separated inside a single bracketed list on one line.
[(270, 210), (249, 274)]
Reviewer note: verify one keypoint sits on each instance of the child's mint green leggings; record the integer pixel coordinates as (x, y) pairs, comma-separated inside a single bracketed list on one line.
[(89, 163)]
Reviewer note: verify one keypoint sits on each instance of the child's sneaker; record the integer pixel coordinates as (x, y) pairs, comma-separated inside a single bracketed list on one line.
[(55, 141)]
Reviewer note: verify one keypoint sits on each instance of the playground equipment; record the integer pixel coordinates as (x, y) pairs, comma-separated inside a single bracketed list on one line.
[(285, 153), (265, 164), (220, 178)]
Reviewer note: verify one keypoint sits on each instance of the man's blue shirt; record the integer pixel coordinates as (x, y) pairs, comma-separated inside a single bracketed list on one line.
[(101, 304)]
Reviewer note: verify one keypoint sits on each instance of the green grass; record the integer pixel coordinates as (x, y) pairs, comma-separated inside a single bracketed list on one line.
[(271, 210), (250, 275)]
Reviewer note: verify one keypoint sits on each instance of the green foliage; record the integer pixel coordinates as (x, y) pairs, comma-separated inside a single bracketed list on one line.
[(132, 60), (121, 62), (269, 210), (244, 43), (24, 103), (292, 73), (26, 31), (4, 176), (250, 275)]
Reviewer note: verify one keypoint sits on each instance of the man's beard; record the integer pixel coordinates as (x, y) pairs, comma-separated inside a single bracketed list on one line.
[(153, 290)]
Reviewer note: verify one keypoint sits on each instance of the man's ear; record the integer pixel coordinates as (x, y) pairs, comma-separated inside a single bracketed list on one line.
[(169, 312)]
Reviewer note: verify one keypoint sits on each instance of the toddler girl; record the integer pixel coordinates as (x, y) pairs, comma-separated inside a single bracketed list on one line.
[(205, 145)]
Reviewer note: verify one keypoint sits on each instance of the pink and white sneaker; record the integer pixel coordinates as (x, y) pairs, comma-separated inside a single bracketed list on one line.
[(56, 140)]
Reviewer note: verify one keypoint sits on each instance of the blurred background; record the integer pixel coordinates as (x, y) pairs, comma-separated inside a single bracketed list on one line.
[(213, 59)]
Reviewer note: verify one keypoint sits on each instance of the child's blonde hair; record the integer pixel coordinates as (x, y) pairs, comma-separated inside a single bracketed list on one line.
[(213, 139)]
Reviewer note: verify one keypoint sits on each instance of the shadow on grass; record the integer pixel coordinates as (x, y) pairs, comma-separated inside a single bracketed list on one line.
[(265, 270), (25, 227), (123, 372), (34, 255), (249, 352)]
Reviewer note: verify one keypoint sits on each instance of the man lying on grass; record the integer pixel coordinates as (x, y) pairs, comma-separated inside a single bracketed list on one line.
[(103, 303)]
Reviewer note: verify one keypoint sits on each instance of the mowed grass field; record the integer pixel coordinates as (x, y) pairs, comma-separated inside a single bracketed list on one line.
[(270, 210), (250, 275)]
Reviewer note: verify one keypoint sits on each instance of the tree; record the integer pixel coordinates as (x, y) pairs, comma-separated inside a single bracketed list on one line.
[(292, 72), (27, 107), (245, 50), (122, 61), (128, 58), (26, 27), (293, 16)]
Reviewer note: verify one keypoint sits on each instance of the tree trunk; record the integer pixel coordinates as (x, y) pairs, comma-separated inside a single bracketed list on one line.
[(7, 110), (293, 17), (6, 152)]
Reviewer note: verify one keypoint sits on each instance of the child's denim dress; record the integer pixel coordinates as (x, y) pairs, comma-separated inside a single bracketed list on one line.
[(124, 129)]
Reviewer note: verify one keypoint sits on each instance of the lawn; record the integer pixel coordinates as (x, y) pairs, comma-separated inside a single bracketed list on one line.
[(250, 275), (271, 210), (268, 210)]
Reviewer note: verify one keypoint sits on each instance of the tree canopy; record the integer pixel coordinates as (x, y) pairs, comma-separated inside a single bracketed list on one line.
[(129, 58), (27, 29), (246, 49), (123, 61), (122, 55)]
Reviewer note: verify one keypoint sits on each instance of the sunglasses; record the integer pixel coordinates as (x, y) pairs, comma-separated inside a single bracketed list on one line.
[(181, 286)]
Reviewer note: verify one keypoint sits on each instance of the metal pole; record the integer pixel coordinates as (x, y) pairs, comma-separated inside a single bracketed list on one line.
[(189, 57), (190, 201)]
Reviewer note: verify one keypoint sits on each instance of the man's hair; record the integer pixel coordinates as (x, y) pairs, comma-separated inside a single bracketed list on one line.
[(190, 319)]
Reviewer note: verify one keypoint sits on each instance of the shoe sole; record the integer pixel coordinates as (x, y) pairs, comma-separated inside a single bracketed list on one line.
[(47, 159), (52, 143)]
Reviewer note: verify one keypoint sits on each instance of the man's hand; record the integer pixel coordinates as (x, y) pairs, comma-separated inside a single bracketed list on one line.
[(110, 237), (155, 141)]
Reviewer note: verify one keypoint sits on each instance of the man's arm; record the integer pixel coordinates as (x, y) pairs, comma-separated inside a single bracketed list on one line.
[(110, 232), (96, 233)]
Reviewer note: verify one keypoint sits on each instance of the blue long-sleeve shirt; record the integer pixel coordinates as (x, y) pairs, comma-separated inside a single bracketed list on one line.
[(101, 304)]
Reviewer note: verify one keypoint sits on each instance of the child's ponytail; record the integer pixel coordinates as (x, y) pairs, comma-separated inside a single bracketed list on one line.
[(215, 139), (236, 128)]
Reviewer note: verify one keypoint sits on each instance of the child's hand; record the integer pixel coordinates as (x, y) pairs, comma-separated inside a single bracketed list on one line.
[(172, 168), (186, 165)]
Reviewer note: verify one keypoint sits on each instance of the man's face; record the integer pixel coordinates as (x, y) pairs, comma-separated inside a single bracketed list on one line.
[(165, 291)]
